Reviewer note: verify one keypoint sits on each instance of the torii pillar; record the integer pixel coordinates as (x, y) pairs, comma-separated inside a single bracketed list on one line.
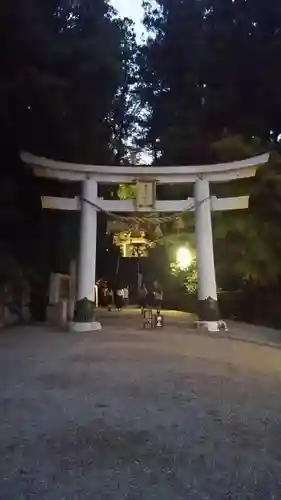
[(84, 318), (208, 312)]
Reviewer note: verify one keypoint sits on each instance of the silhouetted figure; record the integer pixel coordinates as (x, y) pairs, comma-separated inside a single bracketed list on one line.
[(126, 295), (108, 296), (150, 297), (158, 298), (142, 297), (119, 298)]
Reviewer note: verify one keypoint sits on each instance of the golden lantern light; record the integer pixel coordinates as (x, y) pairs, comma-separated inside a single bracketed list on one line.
[(132, 239)]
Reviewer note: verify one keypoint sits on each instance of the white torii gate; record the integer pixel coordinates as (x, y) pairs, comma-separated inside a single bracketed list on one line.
[(202, 203)]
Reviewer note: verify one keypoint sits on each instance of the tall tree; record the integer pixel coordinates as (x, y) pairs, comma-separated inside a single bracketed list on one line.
[(211, 67), (211, 84), (62, 66), (122, 114)]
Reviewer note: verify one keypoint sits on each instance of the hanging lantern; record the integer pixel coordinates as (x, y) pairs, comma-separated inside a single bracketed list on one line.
[(133, 237), (158, 232), (179, 223), (133, 241)]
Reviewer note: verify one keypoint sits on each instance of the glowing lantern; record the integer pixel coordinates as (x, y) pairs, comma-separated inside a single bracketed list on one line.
[(132, 241), (184, 258)]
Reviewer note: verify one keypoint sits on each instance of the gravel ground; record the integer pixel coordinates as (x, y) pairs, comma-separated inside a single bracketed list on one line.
[(132, 414)]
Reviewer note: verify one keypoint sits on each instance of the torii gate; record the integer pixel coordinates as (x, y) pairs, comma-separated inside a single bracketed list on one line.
[(202, 203)]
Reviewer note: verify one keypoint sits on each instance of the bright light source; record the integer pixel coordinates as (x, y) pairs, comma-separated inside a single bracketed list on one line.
[(184, 257)]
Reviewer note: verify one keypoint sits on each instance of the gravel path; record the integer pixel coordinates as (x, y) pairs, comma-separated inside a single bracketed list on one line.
[(131, 414)]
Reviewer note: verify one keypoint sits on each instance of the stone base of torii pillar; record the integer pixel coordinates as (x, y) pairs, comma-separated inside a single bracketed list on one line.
[(84, 317), (85, 327)]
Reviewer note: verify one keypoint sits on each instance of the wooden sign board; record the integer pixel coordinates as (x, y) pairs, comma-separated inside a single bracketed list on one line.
[(145, 194), (148, 319)]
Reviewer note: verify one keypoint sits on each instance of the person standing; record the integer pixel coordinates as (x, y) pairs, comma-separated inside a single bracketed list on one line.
[(126, 295), (142, 297), (102, 293), (108, 294), (158, 297), (119, 298)]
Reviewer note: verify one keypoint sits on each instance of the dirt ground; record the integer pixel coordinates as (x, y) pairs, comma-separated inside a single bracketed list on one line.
[(127, 413)]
